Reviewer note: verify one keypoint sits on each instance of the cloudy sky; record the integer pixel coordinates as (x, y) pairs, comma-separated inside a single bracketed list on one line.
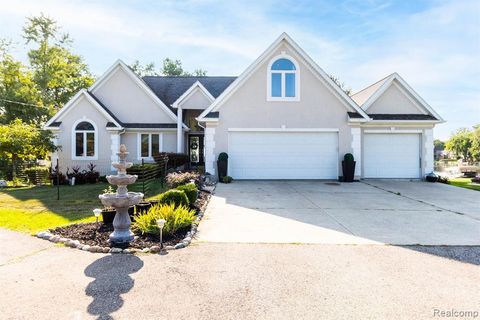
[(434, 45)]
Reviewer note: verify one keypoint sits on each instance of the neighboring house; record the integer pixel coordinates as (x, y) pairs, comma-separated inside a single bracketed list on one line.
[(282, 118)]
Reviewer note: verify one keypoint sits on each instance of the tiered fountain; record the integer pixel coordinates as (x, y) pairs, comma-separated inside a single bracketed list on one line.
[(121, 200)]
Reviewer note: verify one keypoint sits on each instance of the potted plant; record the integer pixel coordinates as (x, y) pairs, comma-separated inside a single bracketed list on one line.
[(348, 167), (222, 165), (431, 177), (108, 213), (142, 207)]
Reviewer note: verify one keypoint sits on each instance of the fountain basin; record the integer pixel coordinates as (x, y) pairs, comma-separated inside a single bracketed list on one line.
[(122, 180), (121, 201)]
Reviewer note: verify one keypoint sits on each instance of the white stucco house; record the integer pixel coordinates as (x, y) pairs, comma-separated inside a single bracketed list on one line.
[(282, 118)]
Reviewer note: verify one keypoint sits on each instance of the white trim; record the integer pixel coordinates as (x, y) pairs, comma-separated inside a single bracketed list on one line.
[(153, 130), (74, 141), (427, 154), (197, 86), (356, 133), (114, 148), (72, 102), (376, 122), (422, 104), (283, 130), (139, 144), (209, 147), (347, 101), (296, 72), (392, 130), (179, 129), (120, 64)]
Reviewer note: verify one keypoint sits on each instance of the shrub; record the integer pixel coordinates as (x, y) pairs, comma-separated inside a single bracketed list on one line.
[(348, 157), (77, 174), (176, 218), (191, 191), (227, 179), (176, 179), (443, 180), (37, 175), (223, 156), (476, 179), (91, 176), (62, 179), (177, 197)]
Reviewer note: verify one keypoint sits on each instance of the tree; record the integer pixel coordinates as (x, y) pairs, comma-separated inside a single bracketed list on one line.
[(20, 141), (146, 70), (170, 67), (438, 145), (460, 143), (19, 96), (58, 73), (341, 84), (475, 145)]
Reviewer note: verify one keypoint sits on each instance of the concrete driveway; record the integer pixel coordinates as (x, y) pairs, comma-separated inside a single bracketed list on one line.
[(369, 212)]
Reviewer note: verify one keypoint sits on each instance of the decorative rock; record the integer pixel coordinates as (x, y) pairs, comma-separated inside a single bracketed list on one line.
[(86, 247), (155, 249), (187, 239), (127, 251), (145, 250), (3, 183), (105, 250), (74, 243), (79, 246), (62, 240), (47, 236), (95, 249), (169, 248), (41, 234), (116, 250), (180, 245)]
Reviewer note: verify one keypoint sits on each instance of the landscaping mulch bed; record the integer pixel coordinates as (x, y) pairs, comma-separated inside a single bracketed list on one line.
[(97, 234)]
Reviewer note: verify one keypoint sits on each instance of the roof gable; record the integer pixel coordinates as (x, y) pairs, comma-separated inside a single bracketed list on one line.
[(120, 66), (268, 54), (399, 85), (198, 91), (51, 124)]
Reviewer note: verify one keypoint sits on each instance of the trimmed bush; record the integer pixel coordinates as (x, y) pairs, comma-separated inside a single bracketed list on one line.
[(476, 179), (176, 179), (176, 218), (348, 157), (443, 180), (223, 156), (191, 191), (227, 179), (177, 197)]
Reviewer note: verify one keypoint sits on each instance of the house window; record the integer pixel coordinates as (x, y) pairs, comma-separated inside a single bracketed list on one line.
[(150, 144), (283, 80), (85, 142)]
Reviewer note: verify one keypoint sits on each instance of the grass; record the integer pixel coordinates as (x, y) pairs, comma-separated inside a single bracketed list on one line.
[(465, 183), (33, 209)]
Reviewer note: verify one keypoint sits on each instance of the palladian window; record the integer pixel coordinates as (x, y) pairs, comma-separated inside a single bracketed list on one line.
[(283, 80)]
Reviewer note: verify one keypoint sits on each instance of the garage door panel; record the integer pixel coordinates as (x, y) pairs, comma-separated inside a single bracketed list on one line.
[(280, 155), (394, 155)]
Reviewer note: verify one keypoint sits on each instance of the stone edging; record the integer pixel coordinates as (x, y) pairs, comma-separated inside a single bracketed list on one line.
[(75, 244)]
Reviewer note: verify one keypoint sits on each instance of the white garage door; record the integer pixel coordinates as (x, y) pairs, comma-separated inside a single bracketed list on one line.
[(391, 155), (283, 155)]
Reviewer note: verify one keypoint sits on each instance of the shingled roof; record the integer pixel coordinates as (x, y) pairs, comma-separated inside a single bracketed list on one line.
[(382, 116), (170, 88)]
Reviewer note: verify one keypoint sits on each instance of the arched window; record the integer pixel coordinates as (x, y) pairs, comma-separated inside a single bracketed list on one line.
[(85, 140), (283, 79)]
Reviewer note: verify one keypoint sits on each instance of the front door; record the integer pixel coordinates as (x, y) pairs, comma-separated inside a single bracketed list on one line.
[(195, 149)]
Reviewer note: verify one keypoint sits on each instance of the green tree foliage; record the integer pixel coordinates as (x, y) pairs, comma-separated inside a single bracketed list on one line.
[(170, 67), (460, 143), (19, 95), (438, 144), (22, 141), (475, 148), (58, 73)]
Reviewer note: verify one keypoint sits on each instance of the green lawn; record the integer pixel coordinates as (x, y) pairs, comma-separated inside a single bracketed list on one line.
[(33, 209), (465, 183)]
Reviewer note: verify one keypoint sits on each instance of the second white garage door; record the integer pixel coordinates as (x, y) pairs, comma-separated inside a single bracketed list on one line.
[(391, 155), (283, 155)]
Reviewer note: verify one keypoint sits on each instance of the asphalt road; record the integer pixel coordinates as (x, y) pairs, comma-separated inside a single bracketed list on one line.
[(39, 280)]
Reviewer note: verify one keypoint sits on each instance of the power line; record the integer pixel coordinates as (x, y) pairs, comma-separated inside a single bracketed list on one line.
[(25, 104)]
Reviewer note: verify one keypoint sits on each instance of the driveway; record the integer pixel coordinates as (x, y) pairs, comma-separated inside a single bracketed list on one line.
[(236, 281), (369, 212)]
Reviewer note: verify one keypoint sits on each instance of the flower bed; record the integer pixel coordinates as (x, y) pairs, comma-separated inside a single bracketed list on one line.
[(93, 237)]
